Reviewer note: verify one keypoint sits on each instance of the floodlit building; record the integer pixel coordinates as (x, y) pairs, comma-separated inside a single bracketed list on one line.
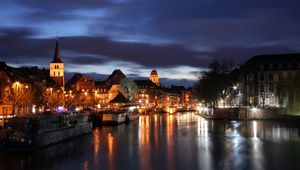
[(148, 93), (263, 79), (57, 67), (80, 91), (154, 77), (110, 88)]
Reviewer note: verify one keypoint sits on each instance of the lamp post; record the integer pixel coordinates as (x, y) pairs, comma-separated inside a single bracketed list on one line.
[(235, 94)]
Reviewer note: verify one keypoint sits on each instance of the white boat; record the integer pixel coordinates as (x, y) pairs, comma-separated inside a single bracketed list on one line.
[(121, 115)]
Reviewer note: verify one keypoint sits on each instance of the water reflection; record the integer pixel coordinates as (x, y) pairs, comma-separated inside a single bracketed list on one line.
[(179, 141), (204, 153), (110, 144), (254, 129), (96, 139), (144, 138)]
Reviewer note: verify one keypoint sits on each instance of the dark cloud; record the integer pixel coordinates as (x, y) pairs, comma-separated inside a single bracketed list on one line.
[(18, 45), (67, 4), (150, 33), (239, 55)]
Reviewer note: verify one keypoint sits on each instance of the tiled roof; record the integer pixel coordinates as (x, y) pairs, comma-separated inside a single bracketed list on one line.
[(120, 98), (115, 78)]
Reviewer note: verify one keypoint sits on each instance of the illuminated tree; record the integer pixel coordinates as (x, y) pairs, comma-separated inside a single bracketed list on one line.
[(21, 95), (53, 97), (70, 99), (129, 87), (5, 91)]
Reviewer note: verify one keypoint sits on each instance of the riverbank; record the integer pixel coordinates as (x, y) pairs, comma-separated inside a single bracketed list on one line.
[(248, 114)]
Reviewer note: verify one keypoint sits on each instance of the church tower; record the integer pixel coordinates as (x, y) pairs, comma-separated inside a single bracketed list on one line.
[(154, 77), (57, 67)]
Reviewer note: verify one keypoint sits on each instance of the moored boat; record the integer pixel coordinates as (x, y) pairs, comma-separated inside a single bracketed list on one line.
[(30, 132), (121, 115)]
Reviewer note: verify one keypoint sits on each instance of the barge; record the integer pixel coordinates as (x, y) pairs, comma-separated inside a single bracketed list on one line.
[(122, 115), (36, 131)]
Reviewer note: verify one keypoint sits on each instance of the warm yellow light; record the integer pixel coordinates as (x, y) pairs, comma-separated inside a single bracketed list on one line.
[(171, 110), (98, 106), (33, 109)]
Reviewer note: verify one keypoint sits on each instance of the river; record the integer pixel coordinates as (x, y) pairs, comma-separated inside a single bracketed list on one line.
[(179, 141)]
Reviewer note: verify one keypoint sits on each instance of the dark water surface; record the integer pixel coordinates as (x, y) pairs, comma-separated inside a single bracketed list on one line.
[(181, 141)]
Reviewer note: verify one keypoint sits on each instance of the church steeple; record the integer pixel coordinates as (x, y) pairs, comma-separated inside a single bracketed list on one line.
[(57, 56), (57, 67)]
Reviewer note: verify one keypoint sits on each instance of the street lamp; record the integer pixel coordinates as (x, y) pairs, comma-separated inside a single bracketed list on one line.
[(17, 84), (234, 87)]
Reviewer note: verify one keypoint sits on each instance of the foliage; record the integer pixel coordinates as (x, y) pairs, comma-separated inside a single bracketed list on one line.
[(53, 97), (129, 87), (4, 91), (214, 84), (294, 95)]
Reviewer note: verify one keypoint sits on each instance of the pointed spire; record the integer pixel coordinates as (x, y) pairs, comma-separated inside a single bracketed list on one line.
[(57, 51), (57, 56)]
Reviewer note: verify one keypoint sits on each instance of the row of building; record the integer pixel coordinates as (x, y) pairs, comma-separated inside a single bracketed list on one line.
[(31, 89), (265, 80), (262, 81)]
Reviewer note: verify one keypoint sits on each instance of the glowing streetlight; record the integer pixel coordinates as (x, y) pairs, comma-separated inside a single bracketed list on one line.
[(254, 109)]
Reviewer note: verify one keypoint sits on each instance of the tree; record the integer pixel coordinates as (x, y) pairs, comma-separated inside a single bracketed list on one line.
[(53, 97), (129, 87), (294, 95), (4, 91), (213, 84), (21, 96)]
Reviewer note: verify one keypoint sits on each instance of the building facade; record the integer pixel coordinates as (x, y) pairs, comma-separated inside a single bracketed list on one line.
[(154, 77), (148, 94), (263, 79), (80, 91)]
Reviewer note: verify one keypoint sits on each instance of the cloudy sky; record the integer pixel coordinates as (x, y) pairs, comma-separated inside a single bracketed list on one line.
[(178, 38)]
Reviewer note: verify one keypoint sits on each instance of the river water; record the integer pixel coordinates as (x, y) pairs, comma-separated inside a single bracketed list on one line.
[(180, 141)]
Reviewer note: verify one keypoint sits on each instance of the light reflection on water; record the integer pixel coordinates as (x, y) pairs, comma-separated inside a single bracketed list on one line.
[(179, 141)]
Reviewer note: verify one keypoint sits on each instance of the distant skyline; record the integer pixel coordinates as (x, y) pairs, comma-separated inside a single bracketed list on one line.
[(177, 38)]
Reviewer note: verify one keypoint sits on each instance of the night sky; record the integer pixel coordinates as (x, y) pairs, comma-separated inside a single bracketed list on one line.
[(178, 38)]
